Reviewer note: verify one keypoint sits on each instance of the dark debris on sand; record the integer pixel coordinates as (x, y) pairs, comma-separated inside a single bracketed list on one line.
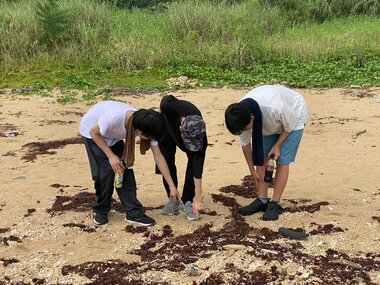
[(165, 251), (29, 212), (376, 218), (312, 208), (80, 202), (7, 261), (32, 150), (11, 238), (247, 189), (325, 229), (84, 228)]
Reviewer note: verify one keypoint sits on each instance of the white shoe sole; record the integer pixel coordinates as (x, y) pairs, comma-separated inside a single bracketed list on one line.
[(98, 224), (169, 214), (190, 219), (138, 223)]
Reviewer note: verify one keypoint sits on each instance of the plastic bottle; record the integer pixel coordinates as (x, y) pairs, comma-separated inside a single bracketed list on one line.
[(269, 169), (118, 182)]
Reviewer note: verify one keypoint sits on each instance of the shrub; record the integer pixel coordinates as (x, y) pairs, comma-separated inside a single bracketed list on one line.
[(130, 4), (53, 21)]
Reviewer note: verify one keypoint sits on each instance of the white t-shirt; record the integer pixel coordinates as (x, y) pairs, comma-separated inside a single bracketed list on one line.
[(281, 109), (110, 116)]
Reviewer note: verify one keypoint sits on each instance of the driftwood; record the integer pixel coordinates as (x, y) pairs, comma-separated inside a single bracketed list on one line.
[(359, 133)]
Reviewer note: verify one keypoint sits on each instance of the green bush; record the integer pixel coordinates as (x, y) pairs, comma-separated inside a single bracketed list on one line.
[(53, 21), (296, 11), (130, 4)]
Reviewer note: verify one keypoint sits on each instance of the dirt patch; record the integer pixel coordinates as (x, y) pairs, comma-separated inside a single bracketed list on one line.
[(41, 148)]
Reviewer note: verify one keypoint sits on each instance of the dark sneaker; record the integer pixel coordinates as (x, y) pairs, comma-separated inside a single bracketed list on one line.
[(99, 219), (254, 207), (144, 221), (273, 211)]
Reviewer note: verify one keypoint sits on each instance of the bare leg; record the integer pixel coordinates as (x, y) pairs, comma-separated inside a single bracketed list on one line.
[(263, 187), (282, 174)]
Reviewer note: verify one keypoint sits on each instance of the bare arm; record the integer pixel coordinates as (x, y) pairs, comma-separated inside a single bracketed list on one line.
[(164, 169), (197, 203), (114, 160), (247, 151)]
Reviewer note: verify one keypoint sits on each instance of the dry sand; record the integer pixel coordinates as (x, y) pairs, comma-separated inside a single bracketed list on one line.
[(332, 167)]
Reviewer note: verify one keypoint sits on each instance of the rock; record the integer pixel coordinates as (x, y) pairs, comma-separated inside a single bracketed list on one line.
[(11, 133), (21, 177), (305, 272), (347, 263), (193, 270), (49, 100), (234, 247)]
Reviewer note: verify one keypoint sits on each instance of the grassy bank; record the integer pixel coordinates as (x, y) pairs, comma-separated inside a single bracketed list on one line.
[(244, 43)]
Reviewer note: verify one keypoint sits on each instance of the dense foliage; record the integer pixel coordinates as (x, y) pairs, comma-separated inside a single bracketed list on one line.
[(250, 41)]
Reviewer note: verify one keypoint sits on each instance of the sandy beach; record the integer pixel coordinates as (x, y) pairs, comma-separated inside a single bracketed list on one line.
[(333, 194)]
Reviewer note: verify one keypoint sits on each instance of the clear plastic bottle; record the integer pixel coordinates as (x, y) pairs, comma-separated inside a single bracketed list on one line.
[(269, 169)]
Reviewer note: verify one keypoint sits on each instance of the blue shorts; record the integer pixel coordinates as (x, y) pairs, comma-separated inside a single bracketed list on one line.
[(288, 149)]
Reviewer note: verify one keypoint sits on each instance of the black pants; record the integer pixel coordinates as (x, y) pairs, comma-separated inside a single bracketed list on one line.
[(103, 176), (168, 149)]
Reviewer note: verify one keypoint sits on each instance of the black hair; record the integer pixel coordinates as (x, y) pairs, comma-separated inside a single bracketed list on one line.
[(237, 116), (149, 122)]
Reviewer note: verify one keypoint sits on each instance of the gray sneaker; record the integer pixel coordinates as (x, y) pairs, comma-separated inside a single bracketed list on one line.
[(187, 210), (170, 208)]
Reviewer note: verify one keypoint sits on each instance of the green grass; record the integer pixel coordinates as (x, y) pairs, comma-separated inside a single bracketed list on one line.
[(243, 43), (82, 77)]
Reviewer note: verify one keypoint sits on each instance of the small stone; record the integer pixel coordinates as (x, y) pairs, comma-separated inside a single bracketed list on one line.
[(347, 263), (21, 177), (234, 247), (193, 271)]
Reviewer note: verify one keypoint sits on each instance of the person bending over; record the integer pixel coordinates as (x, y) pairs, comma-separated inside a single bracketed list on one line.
[(103, 129), (269, 120), (185, 129)]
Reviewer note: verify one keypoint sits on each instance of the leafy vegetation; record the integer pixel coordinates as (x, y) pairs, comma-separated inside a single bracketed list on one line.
[(53, 21), (91, 44)]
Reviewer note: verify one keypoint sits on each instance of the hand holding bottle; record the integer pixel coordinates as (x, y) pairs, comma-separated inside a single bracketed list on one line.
[(269, 169)]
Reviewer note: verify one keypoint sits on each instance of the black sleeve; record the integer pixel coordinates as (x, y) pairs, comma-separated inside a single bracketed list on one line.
[(198, 160)]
